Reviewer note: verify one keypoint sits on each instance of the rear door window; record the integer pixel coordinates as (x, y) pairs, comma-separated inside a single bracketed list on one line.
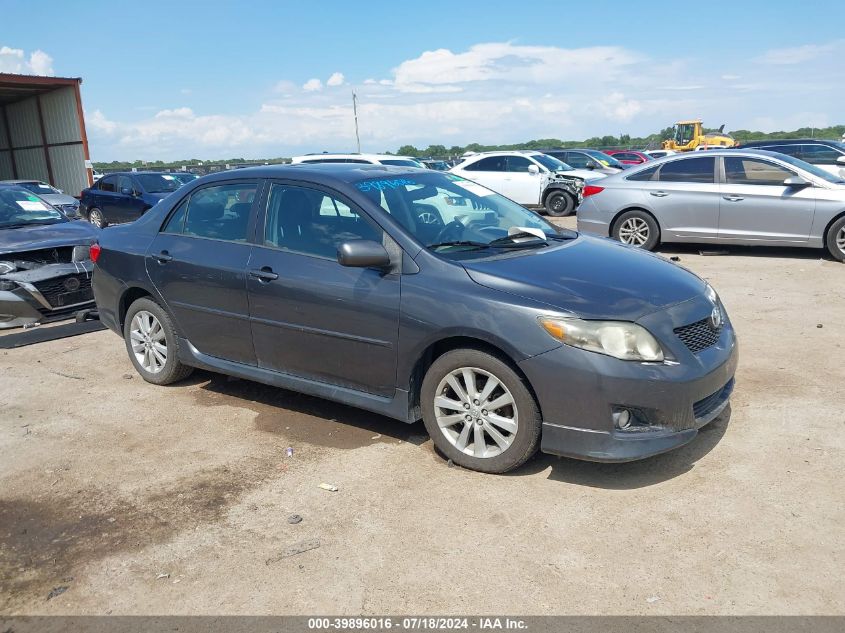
[(699, 170), (108, 183), (518, 163), (817, 154), (491, 163), (219, 212)]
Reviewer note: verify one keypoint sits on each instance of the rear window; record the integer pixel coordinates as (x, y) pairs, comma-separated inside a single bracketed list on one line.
[(689, 170)]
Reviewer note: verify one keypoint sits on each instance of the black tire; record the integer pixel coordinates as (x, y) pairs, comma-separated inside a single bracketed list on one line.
[(835, 239), (94, 213), (173, 370), (523, 442), (559, 204), (648, 231)]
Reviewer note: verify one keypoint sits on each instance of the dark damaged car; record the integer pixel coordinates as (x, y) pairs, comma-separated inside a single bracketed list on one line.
[(421, 295), (45, 262)]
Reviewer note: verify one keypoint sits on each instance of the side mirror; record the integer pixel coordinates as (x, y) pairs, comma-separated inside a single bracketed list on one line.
[(591, 165), (126, 191), (796, 181), (533, 170), (840, 160), (362, 254)]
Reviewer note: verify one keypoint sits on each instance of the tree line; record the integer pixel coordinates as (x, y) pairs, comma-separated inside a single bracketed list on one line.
[(623, 141)]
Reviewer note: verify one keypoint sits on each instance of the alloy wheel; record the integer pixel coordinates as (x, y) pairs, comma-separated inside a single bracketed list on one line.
[(96, 218), (476, 412), (634, 231), (148, 342), (840, 239)]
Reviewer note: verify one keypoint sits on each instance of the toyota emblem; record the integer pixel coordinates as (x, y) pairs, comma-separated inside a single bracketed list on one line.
[(71, 284), (716, 318)]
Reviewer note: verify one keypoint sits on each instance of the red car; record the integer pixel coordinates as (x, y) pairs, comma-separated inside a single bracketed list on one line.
[(628, 156)]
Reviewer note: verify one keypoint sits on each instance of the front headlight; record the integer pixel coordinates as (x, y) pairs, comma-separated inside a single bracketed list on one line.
[(620, 339)]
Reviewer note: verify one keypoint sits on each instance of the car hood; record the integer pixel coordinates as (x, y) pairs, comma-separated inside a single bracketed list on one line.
[(46, 236), (594, 278), (584, 174), (57, 199)]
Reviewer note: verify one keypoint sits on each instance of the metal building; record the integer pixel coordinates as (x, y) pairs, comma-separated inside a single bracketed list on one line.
[(42, 131)]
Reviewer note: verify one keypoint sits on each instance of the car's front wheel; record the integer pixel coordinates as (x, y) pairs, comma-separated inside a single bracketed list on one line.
[(479, 412), (96, 217), (559, 204), (637, 228), (836, 239), (152, 344)]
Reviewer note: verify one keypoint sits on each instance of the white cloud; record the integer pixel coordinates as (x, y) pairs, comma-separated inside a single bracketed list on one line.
[(14, 60), (802, 54), (312, 85), (489, 93)]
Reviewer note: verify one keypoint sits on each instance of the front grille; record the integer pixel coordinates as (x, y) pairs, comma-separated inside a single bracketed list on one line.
[(705, 406), (60, 292), (699, 335)]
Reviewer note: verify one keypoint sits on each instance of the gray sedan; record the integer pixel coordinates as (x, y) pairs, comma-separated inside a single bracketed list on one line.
[(726, 197)]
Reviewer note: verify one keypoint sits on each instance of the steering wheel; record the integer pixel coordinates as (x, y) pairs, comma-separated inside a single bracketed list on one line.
[(451, 232)]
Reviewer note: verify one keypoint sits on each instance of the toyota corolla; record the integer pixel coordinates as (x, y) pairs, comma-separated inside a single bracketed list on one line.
[(420, 295)]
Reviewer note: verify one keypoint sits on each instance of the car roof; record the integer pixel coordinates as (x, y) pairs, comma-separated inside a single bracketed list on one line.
[(504, 152), (352, 155), (789, 141), (320, 173)]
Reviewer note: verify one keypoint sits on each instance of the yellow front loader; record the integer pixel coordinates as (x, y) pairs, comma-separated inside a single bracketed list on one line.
[(689, 135)]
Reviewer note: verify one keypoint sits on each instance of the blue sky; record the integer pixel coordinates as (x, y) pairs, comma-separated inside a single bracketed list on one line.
[(256, 79)]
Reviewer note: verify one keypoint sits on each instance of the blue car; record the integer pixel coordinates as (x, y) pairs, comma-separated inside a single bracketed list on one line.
[(124, 197)]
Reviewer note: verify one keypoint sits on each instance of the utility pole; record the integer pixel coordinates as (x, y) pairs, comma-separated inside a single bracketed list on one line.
[(355, 112)]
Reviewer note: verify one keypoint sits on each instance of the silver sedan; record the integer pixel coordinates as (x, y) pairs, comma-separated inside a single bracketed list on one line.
[(722, 197)]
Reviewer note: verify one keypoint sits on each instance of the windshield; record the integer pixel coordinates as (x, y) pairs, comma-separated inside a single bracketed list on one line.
[(185, 177), (818, 172), (158, 183), (604, 159), (39, 188), (19, 207), (551, 163), (455, 217), (401, 162)]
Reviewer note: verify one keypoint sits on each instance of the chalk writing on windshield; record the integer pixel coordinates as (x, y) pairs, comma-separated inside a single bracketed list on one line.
[(381, 185)]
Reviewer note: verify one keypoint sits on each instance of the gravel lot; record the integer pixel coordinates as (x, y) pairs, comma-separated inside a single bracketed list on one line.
[(175, 500)]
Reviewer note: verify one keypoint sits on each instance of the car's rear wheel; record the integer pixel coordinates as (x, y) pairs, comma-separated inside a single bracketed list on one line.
[(559, 204), (836, 239), (479, 412), (96, 217), (152, 344), (637, 228)]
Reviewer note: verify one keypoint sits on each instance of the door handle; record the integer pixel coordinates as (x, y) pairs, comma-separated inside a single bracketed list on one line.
[(163, 257), (659, 194), (264, 274), (733, 198)]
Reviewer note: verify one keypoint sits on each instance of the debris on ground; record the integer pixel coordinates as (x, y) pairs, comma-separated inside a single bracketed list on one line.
[(652, 599), (127, 376), (164, 575), (329, 487), (376, 437), (57, 591), (296, 548), (293, 519), (819, 325), (714, 252), (450, 463), (289, 451), (675, 258)]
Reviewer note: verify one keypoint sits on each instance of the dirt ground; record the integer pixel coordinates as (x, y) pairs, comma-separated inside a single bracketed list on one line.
[(139, 499)]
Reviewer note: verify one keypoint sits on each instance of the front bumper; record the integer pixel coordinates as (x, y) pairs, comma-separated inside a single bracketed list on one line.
[(46, 293), (579, 390)]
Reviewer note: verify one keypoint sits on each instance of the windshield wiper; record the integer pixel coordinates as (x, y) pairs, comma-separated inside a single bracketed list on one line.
[(508, 240), (477, 245)]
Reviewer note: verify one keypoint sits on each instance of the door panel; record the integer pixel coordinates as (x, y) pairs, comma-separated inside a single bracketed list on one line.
[(755, 206), (199, 265), (312, 317), (685, 199)]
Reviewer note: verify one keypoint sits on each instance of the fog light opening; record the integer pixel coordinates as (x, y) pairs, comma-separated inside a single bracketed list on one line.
[(622, 419)]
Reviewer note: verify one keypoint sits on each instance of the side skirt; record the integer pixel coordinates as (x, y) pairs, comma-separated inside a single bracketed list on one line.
[(398, 407)]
